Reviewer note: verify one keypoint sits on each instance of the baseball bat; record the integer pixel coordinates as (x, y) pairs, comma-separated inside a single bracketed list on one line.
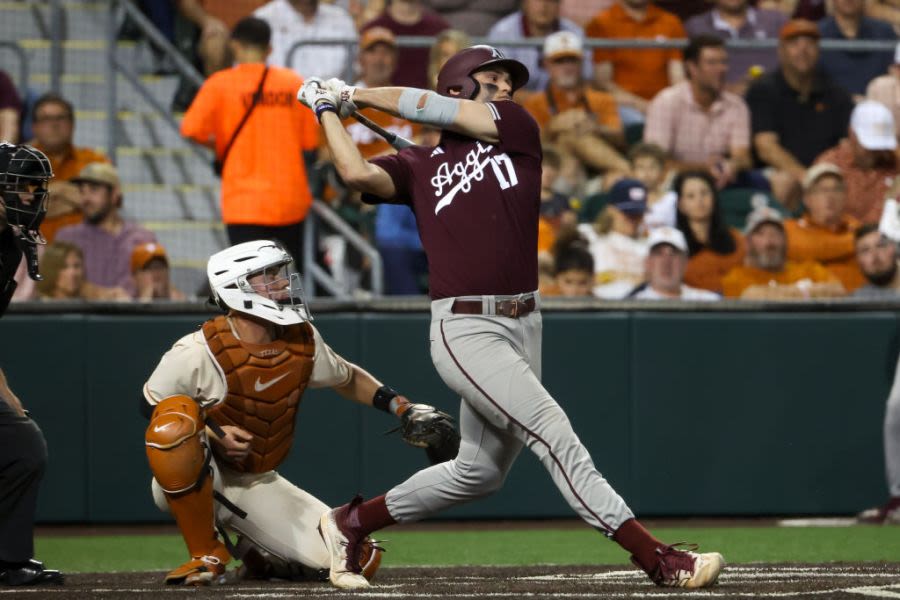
[(396, 141)]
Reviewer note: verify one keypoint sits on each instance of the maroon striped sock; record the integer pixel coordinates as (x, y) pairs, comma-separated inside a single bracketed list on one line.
[(632, 536)]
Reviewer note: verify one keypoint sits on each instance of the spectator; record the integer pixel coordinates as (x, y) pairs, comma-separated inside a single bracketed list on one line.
[(447, 43), (885, 10), (557, 209), (886, 89), (534, 19), (701, 125), (62, 265), (867, 159), (648, 165), (825, 233), (573, 272), (378, 62), (293, 21), (614, 240), (54, 128), (767, 275), (664, 267), (407, 18), (397, 239), (738, 20), (877, 258), (214, 19), (636, 76), (105, 238), (583, 123), (797, 112), (10, 110), (854, 69), (265, 193), (475, 17), (150, 268), (713, 247)]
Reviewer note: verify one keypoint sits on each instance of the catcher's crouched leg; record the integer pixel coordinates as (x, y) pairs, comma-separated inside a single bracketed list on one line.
[(179, 462)]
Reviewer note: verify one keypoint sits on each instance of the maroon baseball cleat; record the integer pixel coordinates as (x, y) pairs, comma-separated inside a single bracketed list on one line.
[(684, 568), (344, 545)]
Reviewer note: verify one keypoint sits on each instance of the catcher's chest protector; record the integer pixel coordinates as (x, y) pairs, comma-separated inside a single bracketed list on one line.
[(265, 382)]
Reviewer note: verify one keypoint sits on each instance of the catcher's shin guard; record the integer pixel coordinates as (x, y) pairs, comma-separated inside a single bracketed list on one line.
[(179, 461)]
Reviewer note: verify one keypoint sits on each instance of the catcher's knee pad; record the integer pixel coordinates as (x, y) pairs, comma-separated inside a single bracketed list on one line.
[(174, 449)]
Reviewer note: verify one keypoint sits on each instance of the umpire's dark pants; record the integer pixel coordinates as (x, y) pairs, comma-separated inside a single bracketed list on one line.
[(23, 456)]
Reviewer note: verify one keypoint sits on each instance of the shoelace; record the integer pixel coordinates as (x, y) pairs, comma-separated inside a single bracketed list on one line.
[(672, 559)]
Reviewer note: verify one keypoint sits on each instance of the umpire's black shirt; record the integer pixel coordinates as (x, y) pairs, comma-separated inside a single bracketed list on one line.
[(10, 256), (806, 127)]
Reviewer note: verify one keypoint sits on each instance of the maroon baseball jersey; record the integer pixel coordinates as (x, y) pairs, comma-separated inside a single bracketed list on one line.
[(476, 205)]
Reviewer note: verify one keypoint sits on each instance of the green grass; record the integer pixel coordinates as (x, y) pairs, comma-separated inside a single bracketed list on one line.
[(513, 547)]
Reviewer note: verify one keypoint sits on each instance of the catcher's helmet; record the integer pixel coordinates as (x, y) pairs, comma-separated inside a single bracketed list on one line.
[(456, 74), (24, 175), (278, 300)]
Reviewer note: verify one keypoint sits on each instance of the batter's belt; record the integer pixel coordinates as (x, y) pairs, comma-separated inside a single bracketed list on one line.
[(514, 308)]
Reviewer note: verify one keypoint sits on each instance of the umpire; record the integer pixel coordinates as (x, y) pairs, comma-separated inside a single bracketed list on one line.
[(24, 175)]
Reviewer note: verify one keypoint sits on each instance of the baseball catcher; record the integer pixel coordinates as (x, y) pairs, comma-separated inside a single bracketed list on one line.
[(24, 175), (223, 405)]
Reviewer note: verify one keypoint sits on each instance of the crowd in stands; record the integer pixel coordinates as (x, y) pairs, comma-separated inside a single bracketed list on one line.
[(696, 173)]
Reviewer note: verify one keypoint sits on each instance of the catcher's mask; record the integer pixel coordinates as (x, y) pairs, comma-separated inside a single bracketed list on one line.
[(258, 278), (25, 174)]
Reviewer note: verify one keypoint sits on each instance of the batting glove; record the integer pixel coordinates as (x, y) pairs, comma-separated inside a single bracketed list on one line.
[(318, 98), (345, 94)]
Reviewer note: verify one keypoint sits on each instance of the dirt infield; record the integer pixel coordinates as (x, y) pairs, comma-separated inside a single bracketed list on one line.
[(856, 581)]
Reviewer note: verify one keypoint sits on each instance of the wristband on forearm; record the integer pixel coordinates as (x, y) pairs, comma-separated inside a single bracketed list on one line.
[(388, 400), (322, 108)]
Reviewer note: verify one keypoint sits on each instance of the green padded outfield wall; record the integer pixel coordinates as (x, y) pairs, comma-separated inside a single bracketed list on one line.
[(713, 413)]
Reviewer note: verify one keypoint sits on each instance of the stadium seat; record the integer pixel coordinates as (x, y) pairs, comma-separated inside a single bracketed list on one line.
[(736, 204)]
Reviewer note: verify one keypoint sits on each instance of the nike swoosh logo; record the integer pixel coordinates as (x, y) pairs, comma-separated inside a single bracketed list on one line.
[(261, 387), (159, 428)]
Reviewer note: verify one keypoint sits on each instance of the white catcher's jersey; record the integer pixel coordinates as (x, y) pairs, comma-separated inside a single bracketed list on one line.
[(189, 369)]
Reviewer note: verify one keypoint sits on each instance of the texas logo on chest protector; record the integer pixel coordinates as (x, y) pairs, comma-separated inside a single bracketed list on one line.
[(265, 383)]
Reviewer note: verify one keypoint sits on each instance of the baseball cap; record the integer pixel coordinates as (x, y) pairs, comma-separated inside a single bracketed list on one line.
[(796, 28), (562, 44), (760, 215), (99, 172), (873, 124), (629, 196), (815, 172), (377, 35), (144, 253), (667, 235)]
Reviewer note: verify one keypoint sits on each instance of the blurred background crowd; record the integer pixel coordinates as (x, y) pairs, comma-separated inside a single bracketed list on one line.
[(697, 170)]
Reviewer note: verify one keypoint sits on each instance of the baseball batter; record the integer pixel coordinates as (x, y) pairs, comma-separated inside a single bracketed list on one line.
[(476, 197), (223, 404)]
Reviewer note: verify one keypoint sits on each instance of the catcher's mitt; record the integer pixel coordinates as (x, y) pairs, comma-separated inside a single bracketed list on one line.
[(426, 427)]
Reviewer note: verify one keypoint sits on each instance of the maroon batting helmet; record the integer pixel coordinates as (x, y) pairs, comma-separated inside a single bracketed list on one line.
[(456, 74)]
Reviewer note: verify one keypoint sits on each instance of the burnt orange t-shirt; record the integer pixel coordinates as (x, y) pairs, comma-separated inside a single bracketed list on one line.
[(264, 180), (706, 269), (742, 277), (834, 249), (552, 101), (643, 72), (65, 167)]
